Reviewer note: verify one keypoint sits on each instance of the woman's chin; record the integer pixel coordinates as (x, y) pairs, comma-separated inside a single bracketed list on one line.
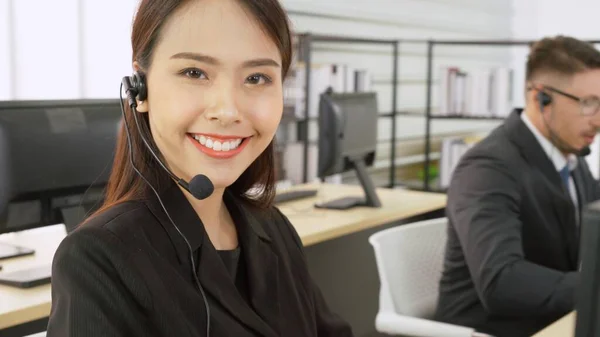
[(220, 178), (221, 182)]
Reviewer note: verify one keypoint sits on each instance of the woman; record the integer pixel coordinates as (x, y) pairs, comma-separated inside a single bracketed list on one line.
[(156, 260)]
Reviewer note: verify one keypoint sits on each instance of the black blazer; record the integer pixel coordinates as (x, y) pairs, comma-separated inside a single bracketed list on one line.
[(512, 251), (127, 272)]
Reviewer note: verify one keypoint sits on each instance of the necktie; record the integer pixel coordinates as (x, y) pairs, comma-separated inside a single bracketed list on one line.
[(564, 175)]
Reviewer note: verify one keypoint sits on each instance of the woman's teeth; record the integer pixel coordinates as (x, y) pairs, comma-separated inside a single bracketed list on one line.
[(218, 145)]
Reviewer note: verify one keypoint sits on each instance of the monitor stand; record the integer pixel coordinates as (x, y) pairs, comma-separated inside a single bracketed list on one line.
[(370, 200)]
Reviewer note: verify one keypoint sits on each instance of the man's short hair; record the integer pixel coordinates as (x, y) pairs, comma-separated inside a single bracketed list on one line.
[(561, 55)]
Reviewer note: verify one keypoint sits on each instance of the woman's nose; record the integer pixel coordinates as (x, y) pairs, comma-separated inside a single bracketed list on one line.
[(224, 109)]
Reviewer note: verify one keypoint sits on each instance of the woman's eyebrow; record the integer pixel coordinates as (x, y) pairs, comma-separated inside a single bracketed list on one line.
[(261, 62)]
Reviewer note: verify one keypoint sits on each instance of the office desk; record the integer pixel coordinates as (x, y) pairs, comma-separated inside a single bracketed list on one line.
[(315, 227), (564, 327), (18, 306)]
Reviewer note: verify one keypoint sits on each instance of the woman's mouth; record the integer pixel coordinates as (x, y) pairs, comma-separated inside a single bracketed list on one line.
[(217, 146)]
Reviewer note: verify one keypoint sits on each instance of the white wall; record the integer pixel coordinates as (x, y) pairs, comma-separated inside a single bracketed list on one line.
[(64, 49), (106, 46), (5, 51), (577, 18), (45, 50), (535, 19)]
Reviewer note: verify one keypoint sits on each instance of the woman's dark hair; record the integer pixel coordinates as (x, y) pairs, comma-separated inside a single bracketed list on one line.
[(124, 183)]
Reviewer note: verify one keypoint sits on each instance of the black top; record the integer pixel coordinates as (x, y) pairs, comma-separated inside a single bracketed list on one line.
[(231, 259), (236, 268), (127, 272), (512, 252)]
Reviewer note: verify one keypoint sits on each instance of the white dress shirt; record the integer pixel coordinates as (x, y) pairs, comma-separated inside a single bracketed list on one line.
[(557, 158)]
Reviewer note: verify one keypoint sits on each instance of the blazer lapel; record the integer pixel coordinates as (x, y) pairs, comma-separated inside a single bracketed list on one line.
[(262, 265), (261, 262), (537, 158)]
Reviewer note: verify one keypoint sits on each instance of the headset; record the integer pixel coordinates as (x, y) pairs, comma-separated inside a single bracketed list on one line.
[(200, 186), (545, 100)]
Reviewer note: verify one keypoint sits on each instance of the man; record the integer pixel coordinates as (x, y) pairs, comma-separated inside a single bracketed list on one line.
[(514, 202)]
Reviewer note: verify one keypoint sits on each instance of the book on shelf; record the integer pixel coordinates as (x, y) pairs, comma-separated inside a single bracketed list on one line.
[(340, 78), (453, 148), (476, 92)]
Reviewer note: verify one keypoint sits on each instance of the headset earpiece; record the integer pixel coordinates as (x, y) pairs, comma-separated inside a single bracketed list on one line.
[(544, 99), (200, 186), (138, 81)]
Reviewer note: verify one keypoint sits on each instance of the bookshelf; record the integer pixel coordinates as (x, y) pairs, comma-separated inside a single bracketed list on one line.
[(459, 114), (305, 48)]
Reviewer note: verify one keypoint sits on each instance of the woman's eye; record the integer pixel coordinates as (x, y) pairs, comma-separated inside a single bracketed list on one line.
[(257, 78), (193, 73)]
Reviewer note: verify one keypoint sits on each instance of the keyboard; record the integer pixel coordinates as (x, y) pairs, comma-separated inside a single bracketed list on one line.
[(27, 278), (282, 197)]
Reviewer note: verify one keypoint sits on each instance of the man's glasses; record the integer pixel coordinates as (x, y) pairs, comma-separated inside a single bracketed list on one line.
[(589, 105)]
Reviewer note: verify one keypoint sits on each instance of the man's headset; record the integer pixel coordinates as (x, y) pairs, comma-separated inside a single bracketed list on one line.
[(545, 100), (200, 186)]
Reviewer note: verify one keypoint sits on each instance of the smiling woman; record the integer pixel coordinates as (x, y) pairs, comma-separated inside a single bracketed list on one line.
[(219, 77), (205, 101)]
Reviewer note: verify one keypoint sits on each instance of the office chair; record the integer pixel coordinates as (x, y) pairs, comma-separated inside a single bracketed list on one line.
[(409, 262)]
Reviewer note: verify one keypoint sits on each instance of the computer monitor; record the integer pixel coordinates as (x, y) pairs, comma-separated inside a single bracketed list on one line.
[(55, 160), (347, 141), (588, 291)]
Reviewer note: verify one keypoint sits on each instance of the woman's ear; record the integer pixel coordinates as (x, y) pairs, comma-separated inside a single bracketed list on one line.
[(142, 106)]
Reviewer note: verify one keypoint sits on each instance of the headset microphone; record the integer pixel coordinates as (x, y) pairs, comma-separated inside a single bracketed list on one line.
[(584, 152), (200, 186)]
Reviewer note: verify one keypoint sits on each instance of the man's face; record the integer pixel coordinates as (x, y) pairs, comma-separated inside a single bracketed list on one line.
[(576, 122)]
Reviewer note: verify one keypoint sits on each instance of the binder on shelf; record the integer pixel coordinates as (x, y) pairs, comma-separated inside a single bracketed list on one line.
[(453, 148), (340, 77), (475, 93)]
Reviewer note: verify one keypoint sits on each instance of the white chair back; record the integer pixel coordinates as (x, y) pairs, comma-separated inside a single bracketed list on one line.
[(409, 261)]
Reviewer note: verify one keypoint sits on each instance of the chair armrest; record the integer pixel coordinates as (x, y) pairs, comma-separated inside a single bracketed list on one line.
[(39, 334), (394, 324)]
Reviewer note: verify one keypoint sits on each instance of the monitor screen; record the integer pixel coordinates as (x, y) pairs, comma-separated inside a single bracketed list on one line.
[(360, 124), (52, 151), (588, 291), (347, 141), (347, 130)]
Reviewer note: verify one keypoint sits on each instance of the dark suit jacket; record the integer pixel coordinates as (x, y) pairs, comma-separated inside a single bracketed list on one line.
[(512, 251), (127, 272)]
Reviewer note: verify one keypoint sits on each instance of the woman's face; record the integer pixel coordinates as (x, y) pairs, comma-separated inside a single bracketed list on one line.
[(214, 91)]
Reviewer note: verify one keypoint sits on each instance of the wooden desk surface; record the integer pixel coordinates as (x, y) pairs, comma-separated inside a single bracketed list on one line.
[(564, 327), (316, 225), (19, 306)]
